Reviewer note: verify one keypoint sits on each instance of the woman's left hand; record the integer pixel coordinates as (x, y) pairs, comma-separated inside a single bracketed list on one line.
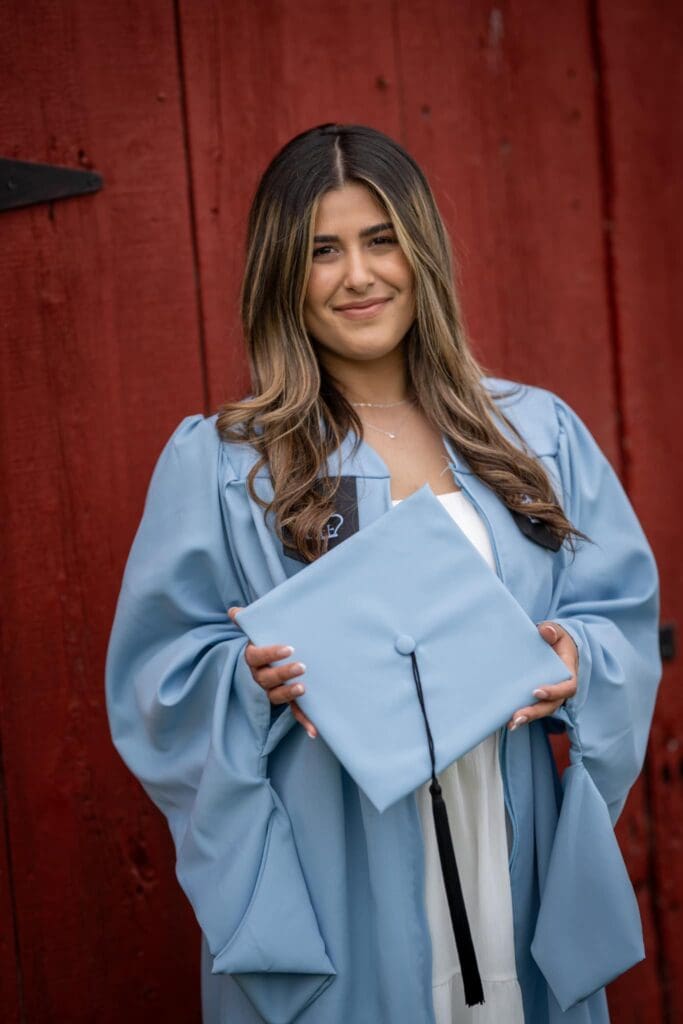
[(549, 698)]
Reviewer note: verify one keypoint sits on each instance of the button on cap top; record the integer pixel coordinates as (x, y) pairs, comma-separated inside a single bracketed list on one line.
[(404, 643)]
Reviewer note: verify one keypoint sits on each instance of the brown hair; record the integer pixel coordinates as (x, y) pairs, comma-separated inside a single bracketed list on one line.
[(296, 417)]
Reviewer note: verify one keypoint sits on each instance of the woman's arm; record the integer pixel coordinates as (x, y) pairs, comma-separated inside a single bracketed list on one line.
[(607, 599), (189, 722)]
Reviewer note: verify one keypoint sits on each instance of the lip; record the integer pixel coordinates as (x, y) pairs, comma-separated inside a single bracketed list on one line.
[(363, 310)]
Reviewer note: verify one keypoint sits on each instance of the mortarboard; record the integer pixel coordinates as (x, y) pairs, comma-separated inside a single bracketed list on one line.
[(402, 627)]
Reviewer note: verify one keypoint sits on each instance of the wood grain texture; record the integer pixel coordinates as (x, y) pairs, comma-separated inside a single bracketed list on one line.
[(642, 74), (100, 360), (11, 989)]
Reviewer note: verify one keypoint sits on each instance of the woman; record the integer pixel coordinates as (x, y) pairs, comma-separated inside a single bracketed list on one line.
[(313, 906)]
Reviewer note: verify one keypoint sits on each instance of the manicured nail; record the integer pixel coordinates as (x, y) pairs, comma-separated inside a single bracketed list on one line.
[(310, 734), (297, 689), (543, 694), (285, 652), (520, 720), (300, 666)]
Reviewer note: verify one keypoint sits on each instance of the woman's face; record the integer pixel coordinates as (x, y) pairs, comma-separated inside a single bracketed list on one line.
[(360, 299)]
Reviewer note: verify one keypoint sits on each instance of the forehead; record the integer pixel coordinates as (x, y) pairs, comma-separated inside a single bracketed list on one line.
[(348, 209)]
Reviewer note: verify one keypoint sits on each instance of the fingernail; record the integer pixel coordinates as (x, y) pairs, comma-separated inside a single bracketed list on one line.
[(520, 720), (286, 651), (310, 734), (543, 694), (297, 689), (300, 666)]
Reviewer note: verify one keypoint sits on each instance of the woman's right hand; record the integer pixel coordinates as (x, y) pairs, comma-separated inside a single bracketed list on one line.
[(274, 679)]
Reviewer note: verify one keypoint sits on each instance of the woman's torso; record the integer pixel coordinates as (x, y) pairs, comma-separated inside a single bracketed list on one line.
[(376, 857)]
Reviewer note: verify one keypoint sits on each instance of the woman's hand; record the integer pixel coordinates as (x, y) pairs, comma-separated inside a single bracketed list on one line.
[(551, 697), (275, 680)]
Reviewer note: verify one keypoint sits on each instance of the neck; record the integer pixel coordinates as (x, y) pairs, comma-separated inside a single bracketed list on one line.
[(377, 380)]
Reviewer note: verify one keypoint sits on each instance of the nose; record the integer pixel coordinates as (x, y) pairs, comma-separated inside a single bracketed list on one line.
[(358, 274)]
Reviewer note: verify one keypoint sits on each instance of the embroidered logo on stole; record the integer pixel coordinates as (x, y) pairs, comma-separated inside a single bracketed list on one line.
[(341, 524)]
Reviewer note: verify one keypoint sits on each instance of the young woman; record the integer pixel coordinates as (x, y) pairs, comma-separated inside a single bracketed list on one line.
[(313, 906)]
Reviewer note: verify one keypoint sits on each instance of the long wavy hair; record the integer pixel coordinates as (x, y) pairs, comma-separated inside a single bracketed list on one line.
[(296, 416)]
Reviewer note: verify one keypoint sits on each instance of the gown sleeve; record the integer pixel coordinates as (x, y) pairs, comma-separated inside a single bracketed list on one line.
[(607, 599), (190, 723)]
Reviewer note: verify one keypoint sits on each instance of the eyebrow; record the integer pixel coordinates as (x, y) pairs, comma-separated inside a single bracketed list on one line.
[(375, 229)]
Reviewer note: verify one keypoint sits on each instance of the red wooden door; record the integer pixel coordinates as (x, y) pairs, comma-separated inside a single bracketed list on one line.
[(545, 131), (100, 358)]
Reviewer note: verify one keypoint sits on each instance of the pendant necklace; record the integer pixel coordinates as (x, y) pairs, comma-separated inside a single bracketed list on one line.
[(385, 405)]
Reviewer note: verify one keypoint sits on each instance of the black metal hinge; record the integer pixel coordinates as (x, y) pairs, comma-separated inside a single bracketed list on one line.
[(667, 641), (23, 183)]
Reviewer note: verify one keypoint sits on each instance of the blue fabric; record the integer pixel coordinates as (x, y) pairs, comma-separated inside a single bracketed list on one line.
[(407, 582), (310, 900), (590, 898)]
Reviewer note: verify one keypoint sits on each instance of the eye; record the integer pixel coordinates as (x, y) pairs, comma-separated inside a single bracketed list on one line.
[(384, 240), (322, 251)]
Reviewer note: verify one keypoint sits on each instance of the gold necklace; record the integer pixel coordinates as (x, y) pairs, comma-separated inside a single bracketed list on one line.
[(388, 433), (383, 405)]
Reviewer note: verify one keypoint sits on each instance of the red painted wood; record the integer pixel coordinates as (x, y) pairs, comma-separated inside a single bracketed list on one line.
[(100, 359), (10, 977), (256, 75), (641, 50)]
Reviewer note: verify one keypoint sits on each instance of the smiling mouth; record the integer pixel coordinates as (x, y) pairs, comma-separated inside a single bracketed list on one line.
[(363, 312)]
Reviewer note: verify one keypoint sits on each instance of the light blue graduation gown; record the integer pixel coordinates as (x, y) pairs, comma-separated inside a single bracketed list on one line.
[(311, 903)]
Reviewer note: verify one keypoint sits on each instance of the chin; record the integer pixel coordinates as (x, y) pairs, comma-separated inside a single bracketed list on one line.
[(368, 348)]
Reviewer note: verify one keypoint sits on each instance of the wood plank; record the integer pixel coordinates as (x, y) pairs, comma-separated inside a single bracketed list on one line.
[(11, 988), (101, 360), (257, 74), (640, 51)]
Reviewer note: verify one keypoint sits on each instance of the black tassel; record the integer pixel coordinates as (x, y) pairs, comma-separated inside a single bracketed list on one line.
[(474, 993)]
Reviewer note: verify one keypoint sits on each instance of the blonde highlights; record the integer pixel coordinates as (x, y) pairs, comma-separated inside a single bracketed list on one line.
[(296, 418)]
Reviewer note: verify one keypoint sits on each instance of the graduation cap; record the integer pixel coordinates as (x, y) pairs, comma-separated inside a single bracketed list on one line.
[(415, 652)]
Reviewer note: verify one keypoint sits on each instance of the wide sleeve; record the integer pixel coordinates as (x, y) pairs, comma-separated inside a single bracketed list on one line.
[(191, 724), (607, 599)]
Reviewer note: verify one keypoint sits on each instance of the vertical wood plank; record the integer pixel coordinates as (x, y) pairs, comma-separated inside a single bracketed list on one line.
[(256, 75), (642, 74), (100, 359), (11, 988)]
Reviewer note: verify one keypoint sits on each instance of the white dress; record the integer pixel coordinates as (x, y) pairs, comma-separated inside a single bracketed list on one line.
[(473, 790)]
